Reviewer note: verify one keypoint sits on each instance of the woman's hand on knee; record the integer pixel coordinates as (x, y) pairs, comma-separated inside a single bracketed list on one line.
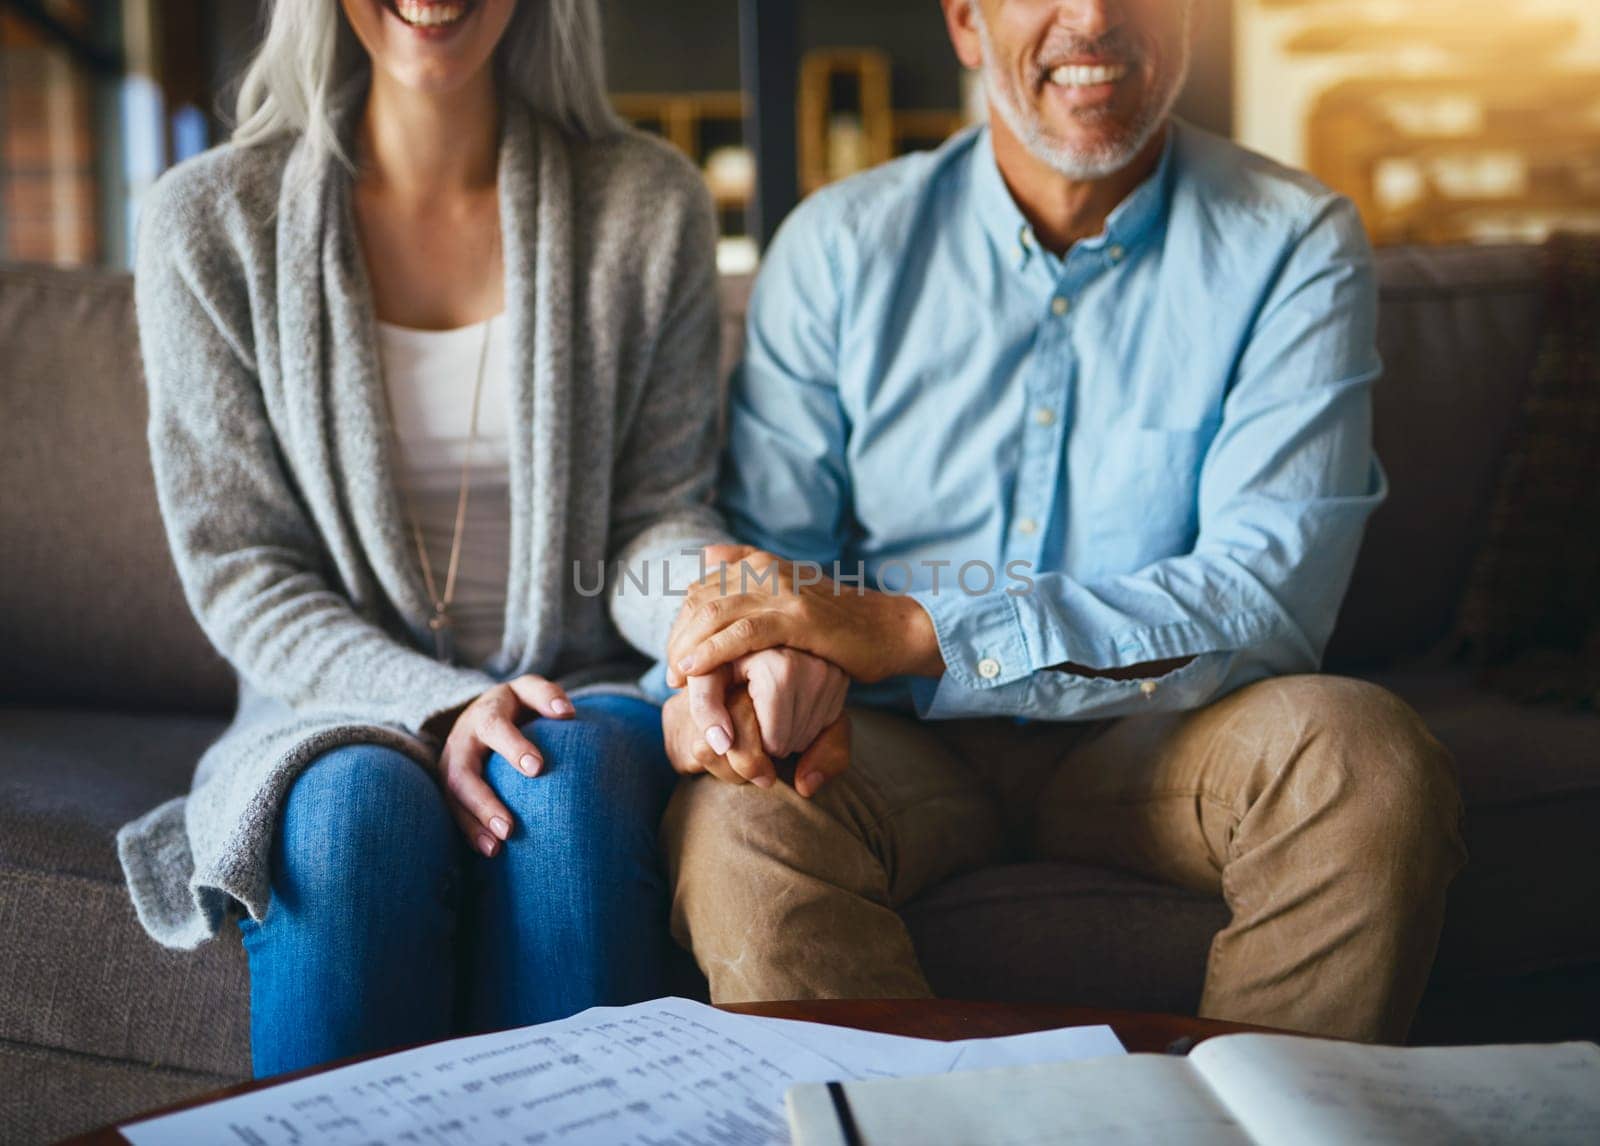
[(492, 723)]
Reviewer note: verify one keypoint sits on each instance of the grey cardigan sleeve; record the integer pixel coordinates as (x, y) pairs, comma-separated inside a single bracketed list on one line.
[(249, 560), (666, 468)]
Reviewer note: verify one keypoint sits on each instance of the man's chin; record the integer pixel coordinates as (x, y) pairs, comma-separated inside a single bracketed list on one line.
[(1091, 156)]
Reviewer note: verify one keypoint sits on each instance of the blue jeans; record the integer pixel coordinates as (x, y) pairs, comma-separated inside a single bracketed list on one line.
[(386, 928)]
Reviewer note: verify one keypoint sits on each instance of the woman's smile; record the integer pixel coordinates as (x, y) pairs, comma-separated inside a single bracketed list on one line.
[(431, 18)]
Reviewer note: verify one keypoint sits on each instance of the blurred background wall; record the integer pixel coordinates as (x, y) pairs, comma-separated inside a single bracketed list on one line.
[(1446, 120)]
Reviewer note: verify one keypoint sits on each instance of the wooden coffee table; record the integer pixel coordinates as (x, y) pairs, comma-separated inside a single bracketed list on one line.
[(921, 1018)]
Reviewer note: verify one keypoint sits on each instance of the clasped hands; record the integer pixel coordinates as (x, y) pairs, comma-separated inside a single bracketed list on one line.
[(764, 651)]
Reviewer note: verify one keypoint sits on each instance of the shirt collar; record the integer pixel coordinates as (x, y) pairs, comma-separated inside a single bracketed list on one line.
[(1129, 223)]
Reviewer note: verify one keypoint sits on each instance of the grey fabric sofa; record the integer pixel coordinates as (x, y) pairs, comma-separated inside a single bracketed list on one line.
[(109, 692)]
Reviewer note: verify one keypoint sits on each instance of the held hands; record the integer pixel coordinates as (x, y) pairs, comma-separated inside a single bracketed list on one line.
[(765, 651), (491, 723), (759, 601), (746, 761)]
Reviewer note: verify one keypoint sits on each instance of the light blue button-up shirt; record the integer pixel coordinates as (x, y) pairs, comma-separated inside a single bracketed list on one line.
[(1157, 447)]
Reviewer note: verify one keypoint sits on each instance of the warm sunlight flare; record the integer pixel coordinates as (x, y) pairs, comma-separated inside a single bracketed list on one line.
[(1444, 119)]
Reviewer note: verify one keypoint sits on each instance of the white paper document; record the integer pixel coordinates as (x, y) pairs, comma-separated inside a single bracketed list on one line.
[(668, 1072)]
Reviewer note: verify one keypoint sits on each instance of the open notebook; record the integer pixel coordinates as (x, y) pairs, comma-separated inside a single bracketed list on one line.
[(1235, 1089)]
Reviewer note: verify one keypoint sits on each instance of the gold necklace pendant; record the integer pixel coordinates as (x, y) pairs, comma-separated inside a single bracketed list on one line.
[(439, 623)]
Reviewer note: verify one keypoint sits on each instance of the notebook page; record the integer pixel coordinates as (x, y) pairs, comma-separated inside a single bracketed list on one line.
[(1284, 1088), (1132, 1099)]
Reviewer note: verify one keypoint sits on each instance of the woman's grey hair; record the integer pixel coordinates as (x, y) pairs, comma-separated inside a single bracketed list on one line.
[(551, 54)]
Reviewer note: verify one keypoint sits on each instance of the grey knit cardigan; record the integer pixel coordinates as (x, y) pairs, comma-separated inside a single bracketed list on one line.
[(269, 438)]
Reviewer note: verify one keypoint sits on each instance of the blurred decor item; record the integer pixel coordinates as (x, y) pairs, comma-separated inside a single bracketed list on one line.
[(738, 255), (693, 122), (1444, 120), (917, 130), (708, 127), (848, 121), (731, 174), (49, 198), (702, 125), (847, 146), (846, 114)]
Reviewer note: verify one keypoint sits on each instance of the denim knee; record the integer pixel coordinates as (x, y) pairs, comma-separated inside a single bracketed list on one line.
[(610, 751), (578, 885), (605, 771), (355, 951), (361, 821)]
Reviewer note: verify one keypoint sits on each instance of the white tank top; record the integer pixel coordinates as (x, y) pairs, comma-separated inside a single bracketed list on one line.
[(430, 376)]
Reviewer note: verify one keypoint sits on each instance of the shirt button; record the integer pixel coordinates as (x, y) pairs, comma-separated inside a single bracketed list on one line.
[(1027, 525), (1116, 254), (988, 668), (1059, 307), (1025, 237), (1148, 688), (1045, 416)]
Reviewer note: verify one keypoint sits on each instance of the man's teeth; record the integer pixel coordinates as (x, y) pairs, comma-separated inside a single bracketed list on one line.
[(1087, 75), (429, 15)]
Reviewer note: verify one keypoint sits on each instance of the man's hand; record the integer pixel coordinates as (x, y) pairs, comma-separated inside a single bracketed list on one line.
[(730, 614), (827, 756)]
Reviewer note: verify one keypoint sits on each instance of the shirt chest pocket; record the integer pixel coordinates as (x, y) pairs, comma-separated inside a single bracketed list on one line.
[(1144, 504)]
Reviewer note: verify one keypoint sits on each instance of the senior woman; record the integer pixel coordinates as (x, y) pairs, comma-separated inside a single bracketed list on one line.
[(427, 337)]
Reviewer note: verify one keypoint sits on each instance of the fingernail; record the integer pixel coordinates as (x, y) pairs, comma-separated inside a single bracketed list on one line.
[(686, 664), (486, 844), (719, 740), (501, 828), (764, 781), (809, 783), (561, 706), (529, 763)]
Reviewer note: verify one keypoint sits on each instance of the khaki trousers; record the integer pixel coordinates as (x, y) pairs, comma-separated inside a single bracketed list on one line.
[(1319, 807)]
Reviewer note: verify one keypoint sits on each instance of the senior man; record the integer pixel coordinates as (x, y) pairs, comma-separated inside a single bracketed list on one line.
[(1057, 441)]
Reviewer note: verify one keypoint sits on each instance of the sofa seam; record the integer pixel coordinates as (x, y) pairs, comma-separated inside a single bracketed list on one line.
[(41, 875), (222, 1079)]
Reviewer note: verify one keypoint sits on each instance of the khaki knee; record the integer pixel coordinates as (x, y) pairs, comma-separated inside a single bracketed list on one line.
[(1397, 789), (729, 846)]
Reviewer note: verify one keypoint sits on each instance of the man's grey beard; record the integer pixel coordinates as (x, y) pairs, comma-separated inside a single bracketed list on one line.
[(1082, 163)]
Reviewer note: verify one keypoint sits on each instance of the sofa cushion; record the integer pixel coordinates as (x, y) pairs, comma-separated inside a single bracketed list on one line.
[(1458, 329), (1064, 933), (1529, 900), (50, 1094), (81, 974), (86, 579)]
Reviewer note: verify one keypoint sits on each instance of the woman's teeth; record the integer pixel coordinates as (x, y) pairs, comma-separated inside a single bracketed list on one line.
[(1087, 75), (429, 15)]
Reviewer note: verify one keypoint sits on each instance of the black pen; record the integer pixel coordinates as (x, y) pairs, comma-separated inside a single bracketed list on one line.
[(847, 1118)]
